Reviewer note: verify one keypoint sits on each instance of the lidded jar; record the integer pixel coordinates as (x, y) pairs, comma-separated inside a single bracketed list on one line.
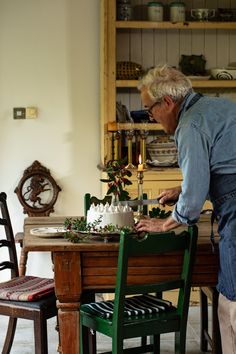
[(155, 11), (124, 10), (177, 11)]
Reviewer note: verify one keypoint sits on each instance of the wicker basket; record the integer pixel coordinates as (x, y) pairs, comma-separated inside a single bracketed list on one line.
[(127, 70)]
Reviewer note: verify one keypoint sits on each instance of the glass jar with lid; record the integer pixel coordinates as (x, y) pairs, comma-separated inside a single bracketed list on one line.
[(155, 11), (177, 11)]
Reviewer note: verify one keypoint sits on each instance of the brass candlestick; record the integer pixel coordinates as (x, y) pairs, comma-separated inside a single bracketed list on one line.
[(140, 192), (130, 134), (143, 139), (117, 145)]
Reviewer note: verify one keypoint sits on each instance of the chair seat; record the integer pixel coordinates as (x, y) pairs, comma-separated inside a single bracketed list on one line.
[(145, 325), (26, 288), (45, 303), (134, 306)]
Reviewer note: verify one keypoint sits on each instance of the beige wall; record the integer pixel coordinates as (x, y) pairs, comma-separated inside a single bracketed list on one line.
[(49, 58)]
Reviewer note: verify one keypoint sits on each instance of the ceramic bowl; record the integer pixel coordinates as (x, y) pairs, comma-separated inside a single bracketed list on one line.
[(163, 151), (203, 14), (223, 74)]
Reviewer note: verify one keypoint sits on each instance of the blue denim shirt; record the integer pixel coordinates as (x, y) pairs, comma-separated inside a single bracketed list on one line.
[(205, 138)]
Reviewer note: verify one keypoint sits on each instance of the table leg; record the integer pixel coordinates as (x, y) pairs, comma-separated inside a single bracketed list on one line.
[(67, 272), (23, 261), (68, 315)]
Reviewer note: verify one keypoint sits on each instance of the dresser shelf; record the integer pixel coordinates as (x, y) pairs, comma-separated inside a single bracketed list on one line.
[(188, 25), (214, 84), (114, 126)]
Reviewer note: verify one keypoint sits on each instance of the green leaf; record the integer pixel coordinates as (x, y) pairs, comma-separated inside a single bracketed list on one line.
[(127, 182), (112, 189)]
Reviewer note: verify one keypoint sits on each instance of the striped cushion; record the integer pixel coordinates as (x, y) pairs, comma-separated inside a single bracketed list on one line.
[(134, 306), (26, 288)]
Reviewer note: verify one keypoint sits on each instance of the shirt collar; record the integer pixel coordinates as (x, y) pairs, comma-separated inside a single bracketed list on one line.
[(185, 102)]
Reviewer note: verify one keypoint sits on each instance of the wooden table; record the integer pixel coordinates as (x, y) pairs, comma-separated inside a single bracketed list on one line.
[(91, 265)]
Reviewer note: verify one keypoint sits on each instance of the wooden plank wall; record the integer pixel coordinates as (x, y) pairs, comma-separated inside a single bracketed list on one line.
[(152, 47)]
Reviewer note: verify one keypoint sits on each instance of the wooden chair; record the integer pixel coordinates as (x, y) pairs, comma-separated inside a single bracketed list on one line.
[(149, 319), (214, 340), (90, 295), (24, 288)]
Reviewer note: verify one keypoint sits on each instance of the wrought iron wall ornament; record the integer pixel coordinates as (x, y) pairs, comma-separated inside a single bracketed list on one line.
[(37, 190)]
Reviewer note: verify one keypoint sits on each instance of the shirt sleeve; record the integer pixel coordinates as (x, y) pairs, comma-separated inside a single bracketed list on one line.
[(194, 160)]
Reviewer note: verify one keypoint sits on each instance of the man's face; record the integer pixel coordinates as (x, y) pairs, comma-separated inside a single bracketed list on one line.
[(164, 112)]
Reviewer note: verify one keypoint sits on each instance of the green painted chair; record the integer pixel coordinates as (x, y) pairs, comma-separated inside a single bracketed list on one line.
[(90, 295), (141, 314), (89, 200)]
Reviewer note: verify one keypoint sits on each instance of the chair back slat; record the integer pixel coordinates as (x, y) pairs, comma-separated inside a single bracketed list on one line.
[(89, 200), (6, 265), (5, 243), (5, 222), (153, 288), (155, 244), (147, 243)]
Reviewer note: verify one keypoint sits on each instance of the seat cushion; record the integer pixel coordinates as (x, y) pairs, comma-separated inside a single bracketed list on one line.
[(44, 304), (26, 288), (134, 306)]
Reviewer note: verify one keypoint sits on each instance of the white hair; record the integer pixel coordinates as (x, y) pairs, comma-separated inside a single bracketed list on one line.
[(165, 81)]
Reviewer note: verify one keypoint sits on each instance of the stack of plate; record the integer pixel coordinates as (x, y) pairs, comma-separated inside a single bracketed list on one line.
[(228, 73)]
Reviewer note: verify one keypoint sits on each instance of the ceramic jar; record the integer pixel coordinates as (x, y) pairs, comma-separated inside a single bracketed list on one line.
[(177, 11), (155, 11), (124, 10)]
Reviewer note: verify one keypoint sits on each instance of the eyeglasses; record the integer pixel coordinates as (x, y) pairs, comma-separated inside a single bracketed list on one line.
[(149, 110)]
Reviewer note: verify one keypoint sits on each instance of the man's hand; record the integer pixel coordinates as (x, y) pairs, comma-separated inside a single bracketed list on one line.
[(169, 195), (157, 225)]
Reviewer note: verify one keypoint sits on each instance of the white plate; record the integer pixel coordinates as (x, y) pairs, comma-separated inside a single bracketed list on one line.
[(223, 74), (48, 232), (166, 163), (206, 77)]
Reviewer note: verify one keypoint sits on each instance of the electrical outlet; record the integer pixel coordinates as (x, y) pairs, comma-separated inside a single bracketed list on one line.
[(19, 113), (31, 112)]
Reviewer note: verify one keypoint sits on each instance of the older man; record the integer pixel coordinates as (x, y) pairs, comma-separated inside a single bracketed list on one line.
[(204, 129)]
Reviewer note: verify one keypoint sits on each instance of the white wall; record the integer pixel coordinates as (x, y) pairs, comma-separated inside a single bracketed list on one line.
[(49, 58)]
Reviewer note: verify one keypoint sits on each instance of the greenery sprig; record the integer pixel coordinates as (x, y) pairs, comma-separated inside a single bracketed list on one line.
[(158, 213), (117, 178), (78, 230)]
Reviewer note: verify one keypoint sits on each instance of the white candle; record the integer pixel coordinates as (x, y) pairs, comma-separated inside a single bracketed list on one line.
[(140, 165)]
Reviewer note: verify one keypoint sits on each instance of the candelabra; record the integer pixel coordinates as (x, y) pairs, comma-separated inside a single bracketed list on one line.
[(130, 134), (143, 138), (117, 145)]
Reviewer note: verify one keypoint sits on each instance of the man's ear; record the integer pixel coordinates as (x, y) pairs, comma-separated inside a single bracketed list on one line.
[(169, 103)]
